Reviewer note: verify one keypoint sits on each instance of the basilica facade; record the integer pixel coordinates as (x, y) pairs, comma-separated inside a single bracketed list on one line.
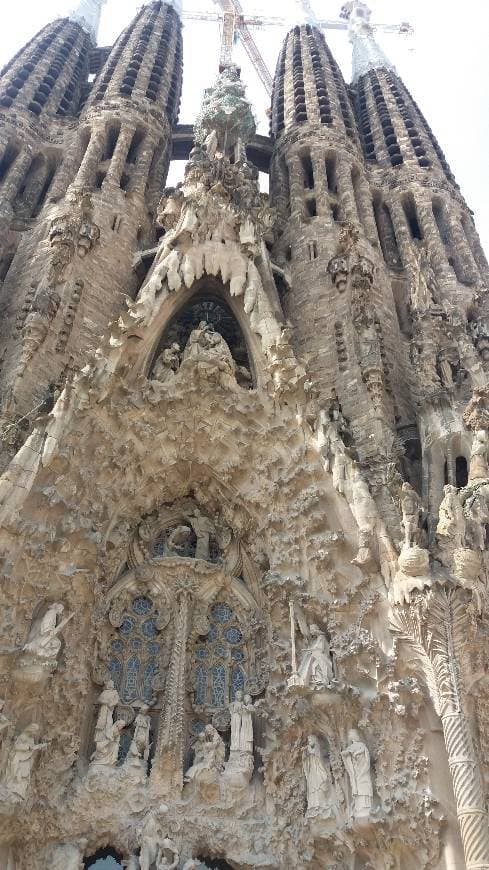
[(244, 491)]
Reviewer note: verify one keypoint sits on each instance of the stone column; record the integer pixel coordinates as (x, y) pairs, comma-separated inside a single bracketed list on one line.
[(119, 156), (436, 627), (85, 176), (296, 187), (434, 244), (140, 172), (15, 176), (346, 197), (167, 770)]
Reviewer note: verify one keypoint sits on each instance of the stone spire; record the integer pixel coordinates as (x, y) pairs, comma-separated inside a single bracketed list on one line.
[(87, 14), (367, 54)]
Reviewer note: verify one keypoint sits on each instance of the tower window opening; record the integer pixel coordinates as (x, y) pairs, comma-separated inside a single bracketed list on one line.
[(99, 180), (386, 232), (409, 207), (461, 471), (111, 142), (11, 153), (307, 171), (311, 209), (330, 165), (45, 189)]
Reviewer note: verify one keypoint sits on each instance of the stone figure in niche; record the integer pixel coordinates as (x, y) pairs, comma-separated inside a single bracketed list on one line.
[(181, 541), (108, 701), (140, 743), (451, 521), (478, 457), (424, 292), (356, 758), (209, 752), (167, 364), (149, 838), (446, 358), (203, 528), (320, 789), (316, 668), (241, 710), (43, 640), (107, 744), (210, 351), (365, 513), (69, 856), (412, 511), (21, 761), (168, 855)]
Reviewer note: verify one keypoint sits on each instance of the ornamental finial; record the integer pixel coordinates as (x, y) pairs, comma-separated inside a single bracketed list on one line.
[(367, 54)]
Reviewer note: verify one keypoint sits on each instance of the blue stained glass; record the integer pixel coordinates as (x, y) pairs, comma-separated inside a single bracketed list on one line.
[(233, 635), (149, 627), (124, 744), (154, 648), (200, 685), (218, 686), (221, 612), (198, 726), (115, 671), (150, 671), (212, 633), (201, 653), (237, 655), (221, 652), (131, 682), (117, 646), (237, 681), (136, 644), (142, 605), (126, 625)]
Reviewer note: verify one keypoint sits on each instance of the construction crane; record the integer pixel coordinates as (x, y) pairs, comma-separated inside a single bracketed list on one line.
[(235, 23)]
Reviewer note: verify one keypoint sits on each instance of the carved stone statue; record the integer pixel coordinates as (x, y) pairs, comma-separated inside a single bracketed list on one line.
[(316, 668), (209, 755), (241, 723), (21, 761), (181, 541), (203, 528), (357, 762), (107, 744), (451, 522), (478, 457), (108, 700), (149, 838), (208, 349), (320, 790), (43, 638), (365, 513), (140, 743), (167, 364), (412, 511), (168, 855), (68, 856)]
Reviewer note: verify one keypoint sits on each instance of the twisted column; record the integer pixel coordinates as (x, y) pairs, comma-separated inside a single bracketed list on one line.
[(167, 770), (436, 627)]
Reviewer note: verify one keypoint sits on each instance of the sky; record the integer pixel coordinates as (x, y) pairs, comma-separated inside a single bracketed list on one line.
[(445, 65)]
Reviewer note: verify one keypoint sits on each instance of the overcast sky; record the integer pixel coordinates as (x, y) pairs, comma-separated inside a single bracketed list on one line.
[(445, 65)]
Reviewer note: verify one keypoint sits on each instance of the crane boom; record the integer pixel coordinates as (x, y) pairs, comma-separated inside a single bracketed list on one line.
[(234, 22)]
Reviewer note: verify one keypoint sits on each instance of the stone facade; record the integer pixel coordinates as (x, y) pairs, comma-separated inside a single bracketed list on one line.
[(245, 490)]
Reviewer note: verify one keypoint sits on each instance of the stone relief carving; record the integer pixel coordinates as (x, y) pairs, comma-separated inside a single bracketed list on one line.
[(357, 762), (320, 790), (21, 760)]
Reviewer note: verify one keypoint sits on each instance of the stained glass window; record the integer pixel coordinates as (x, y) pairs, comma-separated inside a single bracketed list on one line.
[(220, 659), (135, 652)]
